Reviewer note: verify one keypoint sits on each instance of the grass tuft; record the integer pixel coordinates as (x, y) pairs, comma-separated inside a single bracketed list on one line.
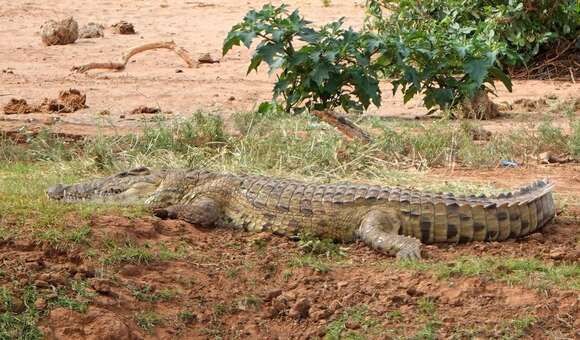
[(309, 261), (530, 272), (148, 320)]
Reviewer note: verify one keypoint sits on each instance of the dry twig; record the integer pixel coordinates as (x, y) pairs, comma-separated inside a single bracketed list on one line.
[(119, 66)]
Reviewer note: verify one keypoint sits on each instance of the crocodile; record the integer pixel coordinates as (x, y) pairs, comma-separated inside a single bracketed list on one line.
[(394, 221)]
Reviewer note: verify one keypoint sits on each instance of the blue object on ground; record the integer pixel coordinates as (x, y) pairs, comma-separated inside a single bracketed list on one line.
[(508, 164)]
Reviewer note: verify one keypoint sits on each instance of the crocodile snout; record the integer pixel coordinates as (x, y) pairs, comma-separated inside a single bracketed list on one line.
[(56, 192)]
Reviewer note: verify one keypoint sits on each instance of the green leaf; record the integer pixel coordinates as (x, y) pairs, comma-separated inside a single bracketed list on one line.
[(278, 34), (497, 73), (366, 89), (256, 61), (231, 40), (268, 51), (309, 35), (436, 96), (409, 93), (477, 70), (247, 38), (320, 73), (276, 64), (266, 107)]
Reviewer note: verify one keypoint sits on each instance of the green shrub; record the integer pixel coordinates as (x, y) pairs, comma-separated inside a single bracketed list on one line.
[(333, 68)]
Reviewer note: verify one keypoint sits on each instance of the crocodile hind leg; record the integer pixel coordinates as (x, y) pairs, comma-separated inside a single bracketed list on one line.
[(379, 230), (203, 212)]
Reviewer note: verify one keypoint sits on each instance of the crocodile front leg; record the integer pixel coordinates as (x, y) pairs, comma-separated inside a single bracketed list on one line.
[(379, 230), (204, 212)]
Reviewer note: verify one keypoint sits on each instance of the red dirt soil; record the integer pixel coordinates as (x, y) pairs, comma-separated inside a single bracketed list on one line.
[(236, 284)]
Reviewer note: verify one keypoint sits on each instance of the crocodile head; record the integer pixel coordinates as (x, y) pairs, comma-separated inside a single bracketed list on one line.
[(133, 186)]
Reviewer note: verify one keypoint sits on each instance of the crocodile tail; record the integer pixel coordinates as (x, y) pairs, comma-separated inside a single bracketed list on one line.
[(528, 209), (457, 219), (513, 214)]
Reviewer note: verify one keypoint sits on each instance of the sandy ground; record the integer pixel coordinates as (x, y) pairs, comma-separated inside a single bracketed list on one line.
[(33, 71)]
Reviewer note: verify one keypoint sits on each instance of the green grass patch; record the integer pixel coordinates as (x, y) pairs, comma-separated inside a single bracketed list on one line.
[(186, 316), (20, 325), (318, 264), (312, 245), (148, 320), (145, 293), (529, 272), (64, 237), (25, 204), (129, 252), (517, 328), (369, 326)]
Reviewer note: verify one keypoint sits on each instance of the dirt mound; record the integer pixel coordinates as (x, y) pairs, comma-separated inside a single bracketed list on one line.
[(59, 32), (72, 100), (123, 27), (17, 106), (144, 110), (95, 324), (91, 30), (68, 101)]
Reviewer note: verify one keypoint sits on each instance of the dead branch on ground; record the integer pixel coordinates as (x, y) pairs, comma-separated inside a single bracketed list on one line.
[(119, 66), (344, 125)]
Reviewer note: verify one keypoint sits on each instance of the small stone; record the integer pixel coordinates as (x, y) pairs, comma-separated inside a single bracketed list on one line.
[(537, 237), (18, 305), (88, 270), (412, 291), (398, 299), (101, 286), (342, 284), (272, 294), (334, 306), (320, 314), (557, 254), (287, 296), (41, 284), (300, 309), (350, 324), (40, 304), (206, 58), (232, 98)]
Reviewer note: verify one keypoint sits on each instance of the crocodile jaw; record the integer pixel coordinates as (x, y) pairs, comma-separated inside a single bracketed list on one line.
[(134, 186)]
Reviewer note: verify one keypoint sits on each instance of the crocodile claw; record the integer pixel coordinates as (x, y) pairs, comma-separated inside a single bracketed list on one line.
[(409, 254)]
